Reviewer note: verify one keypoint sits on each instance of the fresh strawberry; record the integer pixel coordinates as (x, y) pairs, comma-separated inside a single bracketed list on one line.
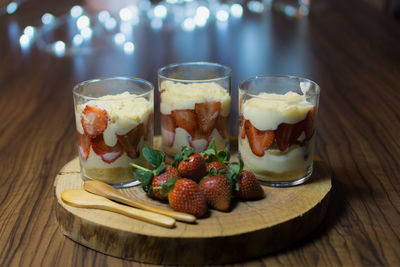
[(259, 140), (186, 196), (194, 167), (310, 123), (218, 166), (249, 188), (149, 129), (84, 143), (185, 119), (94, 120), (168, 129), (130, 141), (152, 180), (222, 126), (163, 178), (108, 154), (218, 191), (207, 114)]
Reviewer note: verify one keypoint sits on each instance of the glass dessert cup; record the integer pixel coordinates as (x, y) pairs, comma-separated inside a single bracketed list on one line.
[(277, 128), (195, 106), (114, 121)]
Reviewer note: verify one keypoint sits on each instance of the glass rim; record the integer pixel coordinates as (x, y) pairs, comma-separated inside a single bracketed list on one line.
[(200, 63), (316, 93), (95, 80)]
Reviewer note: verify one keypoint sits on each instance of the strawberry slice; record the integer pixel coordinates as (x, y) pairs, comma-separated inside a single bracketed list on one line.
[(242, 124), (259, 140), (186, 119), (207, 114), (284, 135), (107, 154), (83, 145), (130, 141), (94, 120), (222, 126), (168, 129), (310, 123)]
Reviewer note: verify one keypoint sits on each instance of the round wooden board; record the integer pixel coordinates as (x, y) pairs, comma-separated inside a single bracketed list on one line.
[(251, 229)]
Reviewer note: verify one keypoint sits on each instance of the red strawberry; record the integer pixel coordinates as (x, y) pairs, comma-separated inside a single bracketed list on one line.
[(207, 114), (249, 188), (219, 166), (168, 129), (108, 154), (149, 129), (287, 134), (84, 143), (186, 196), (259, 140), (310, 123), (130, 141), (218, 191), (94, 120), (186, 119), (222, 126), (169, 173), (194, 167)]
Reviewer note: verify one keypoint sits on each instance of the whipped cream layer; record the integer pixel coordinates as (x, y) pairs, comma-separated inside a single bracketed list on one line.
[(274, 161), (124, 111), (267, 111), (176, 96)]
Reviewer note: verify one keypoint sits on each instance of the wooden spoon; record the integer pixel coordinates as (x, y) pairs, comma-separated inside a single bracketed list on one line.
[(105, 190), (82, 199)]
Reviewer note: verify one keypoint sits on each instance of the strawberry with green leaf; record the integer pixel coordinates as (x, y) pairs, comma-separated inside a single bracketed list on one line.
[(190, 164), (246, 186), (216, 160), (184, 195), (156, 177), (218, 190)]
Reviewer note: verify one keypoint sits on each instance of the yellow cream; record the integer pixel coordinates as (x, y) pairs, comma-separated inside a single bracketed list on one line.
[(185, 96), (267, 111)]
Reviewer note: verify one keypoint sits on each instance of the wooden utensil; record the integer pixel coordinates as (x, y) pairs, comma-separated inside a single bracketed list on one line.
[(82, 199), (107, 191)]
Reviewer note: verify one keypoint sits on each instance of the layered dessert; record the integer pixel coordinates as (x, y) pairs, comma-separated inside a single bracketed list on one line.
[(194, 115), (111, 131), (276, 139)]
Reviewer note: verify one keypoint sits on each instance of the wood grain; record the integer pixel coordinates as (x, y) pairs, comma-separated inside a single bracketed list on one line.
[(264, 226), (349, 49)]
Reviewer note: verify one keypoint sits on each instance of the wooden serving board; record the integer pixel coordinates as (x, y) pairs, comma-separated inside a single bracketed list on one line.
[(252, 229)]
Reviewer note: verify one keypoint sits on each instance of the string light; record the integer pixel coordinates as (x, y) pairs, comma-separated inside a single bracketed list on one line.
[(76, 11), (129, 47), (12, 7)]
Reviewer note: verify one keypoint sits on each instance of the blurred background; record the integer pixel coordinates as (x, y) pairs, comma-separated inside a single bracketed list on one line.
[(102, 38)]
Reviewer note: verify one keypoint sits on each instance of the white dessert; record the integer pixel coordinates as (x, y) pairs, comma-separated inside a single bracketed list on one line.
[(267, 112), (125, 112), (180, 96)]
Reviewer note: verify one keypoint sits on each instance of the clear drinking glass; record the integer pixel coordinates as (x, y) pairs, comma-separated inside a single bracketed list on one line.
[(114, 120), (277, 128), (195, 106)]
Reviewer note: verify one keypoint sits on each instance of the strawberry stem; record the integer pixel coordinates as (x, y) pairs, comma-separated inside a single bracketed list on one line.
[(140, 167)]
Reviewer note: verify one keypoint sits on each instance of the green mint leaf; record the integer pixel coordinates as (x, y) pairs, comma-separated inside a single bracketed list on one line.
[(155, 157), (212, 171), (224, 156), (159, 169), (145, 177)]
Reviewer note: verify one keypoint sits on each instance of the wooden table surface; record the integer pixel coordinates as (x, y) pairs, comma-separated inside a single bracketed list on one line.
[(351, 50)]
